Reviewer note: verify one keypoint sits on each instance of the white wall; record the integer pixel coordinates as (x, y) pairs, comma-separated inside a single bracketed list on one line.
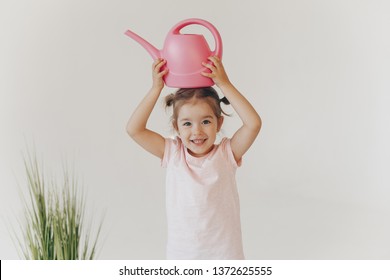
[(313, 186)]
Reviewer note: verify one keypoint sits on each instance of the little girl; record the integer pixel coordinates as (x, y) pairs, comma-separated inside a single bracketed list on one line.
[(203, 211)]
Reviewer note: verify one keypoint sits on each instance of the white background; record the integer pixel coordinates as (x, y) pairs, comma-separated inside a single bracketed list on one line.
[(315, 184)]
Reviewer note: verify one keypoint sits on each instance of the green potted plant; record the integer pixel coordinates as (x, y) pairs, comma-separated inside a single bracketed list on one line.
[(54, 226)]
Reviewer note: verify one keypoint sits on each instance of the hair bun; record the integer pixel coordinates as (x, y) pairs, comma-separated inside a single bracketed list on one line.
[(224, 100), (169, 99)]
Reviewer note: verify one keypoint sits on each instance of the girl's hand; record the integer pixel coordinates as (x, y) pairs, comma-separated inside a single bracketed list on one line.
[(158, 74), (218, 74)]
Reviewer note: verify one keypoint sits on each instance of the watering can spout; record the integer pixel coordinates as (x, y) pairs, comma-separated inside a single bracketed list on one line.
[(153, 51)]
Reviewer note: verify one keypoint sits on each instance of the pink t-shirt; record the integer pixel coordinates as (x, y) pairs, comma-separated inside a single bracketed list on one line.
[(203, 209)]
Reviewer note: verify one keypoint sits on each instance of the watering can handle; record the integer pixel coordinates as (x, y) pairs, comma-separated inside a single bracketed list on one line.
[(217, 37)]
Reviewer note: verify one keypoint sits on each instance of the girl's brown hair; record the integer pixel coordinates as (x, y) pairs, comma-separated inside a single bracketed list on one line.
[(183, 95)]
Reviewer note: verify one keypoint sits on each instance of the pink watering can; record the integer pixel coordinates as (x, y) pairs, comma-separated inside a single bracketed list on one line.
[(184, 54)]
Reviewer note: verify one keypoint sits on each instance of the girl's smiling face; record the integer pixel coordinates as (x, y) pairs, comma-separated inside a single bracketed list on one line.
[(197, 126)]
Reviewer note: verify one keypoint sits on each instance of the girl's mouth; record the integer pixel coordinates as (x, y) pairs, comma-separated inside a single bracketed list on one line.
[(198, 141)]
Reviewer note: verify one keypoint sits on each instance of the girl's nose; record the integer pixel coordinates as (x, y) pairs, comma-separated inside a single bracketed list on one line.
[(196, 129)]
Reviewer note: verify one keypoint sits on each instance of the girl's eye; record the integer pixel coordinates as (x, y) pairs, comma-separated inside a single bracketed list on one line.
[(206, 122), (186, 124)]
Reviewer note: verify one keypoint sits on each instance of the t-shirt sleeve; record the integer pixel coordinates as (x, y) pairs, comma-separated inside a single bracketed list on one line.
[(226, 147), (171, 146)]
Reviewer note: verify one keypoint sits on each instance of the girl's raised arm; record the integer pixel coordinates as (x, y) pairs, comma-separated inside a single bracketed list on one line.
[(247, 133), (136, 126)]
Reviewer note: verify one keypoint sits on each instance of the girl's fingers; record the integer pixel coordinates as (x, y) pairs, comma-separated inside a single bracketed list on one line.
[(206, 64), (209, 65), (215, 59), (159, 66), (209, 75), (162, 73), (158, 63)]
